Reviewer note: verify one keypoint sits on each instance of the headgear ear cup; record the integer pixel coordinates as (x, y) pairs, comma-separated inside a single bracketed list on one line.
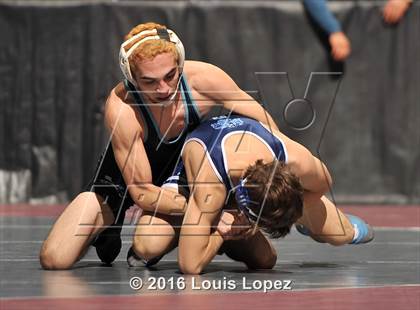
[(180, 48), (181, 58), (154, 34), (243, 201)]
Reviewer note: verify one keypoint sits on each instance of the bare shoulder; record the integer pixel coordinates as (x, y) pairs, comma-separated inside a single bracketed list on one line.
[(298, 156), (197, 163), (204, 76), (119, 109), (195, 67)]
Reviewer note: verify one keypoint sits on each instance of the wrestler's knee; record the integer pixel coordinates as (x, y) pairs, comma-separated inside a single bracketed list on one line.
[(149, 247), (87, 198), (269, 261), (188, 267), (264, 262), (50, 259)]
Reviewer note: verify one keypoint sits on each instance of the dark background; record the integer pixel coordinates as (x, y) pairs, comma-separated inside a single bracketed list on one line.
[(59, 60)]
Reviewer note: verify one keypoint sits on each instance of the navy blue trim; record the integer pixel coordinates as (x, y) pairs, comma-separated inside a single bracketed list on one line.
[(194, 112)]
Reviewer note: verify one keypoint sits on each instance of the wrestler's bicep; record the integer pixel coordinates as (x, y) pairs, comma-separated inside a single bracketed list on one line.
[(127, 143), (207, 192), (132, 160)]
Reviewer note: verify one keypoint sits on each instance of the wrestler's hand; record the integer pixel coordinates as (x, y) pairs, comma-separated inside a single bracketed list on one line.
[(234, 226), (394, 10)]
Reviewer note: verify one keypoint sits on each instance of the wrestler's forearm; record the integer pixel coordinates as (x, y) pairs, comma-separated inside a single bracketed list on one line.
[(197, 250), (221, 89), (255, 111), (215, 241), (198, 240), (156, 199)]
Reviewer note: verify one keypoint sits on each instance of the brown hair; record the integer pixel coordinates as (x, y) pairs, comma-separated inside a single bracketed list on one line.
[(148, 49), (278, 192)]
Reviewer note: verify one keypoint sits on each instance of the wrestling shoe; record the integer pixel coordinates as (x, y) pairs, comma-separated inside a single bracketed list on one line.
[(303, 230), (108, 244), (363, 232), (135, 261)]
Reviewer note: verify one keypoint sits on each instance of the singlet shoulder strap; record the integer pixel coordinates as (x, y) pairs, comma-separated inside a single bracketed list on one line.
[(193, 116)]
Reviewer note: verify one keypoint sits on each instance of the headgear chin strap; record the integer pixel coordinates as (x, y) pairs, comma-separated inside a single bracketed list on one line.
[(244, 202), (154, 34)]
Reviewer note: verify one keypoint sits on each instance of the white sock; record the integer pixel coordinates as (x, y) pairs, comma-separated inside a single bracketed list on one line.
[(356, 233)]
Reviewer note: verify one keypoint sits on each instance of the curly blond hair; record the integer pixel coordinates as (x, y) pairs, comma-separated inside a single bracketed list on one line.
[(148, 49)]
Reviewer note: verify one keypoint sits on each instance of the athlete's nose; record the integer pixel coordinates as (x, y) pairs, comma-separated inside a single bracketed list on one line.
[(163, 88)]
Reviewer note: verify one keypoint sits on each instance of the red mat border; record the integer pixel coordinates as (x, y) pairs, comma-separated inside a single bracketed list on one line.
[(376, 215), (373, 298)]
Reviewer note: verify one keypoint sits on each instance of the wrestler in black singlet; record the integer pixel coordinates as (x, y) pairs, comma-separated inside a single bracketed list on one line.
[(108, 181)]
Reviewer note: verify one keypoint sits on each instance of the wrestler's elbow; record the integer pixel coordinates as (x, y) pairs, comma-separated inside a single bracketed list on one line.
[(138, 193), (143, 196), (189, 263), (190, 267)]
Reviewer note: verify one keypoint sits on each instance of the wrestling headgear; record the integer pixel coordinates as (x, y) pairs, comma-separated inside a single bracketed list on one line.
[(244, 202), (154, 34)]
